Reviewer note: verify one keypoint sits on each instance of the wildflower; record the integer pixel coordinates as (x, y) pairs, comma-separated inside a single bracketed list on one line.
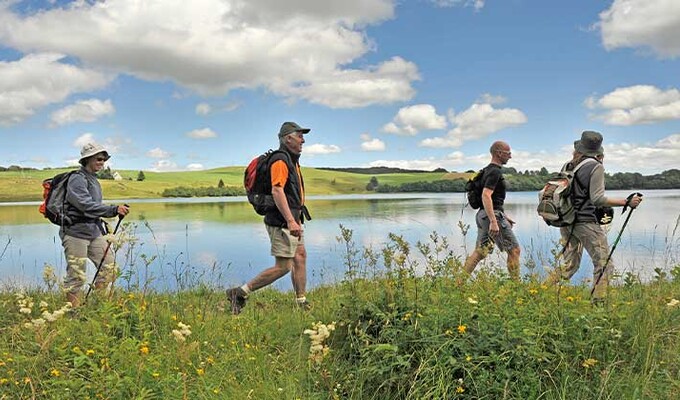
[(144, 350), (533, 291), (38, 322), (317, 335), (462, 329), (43, 304), (174, 318), (181, 333), (468, 358), (472, 301), (673, 303), (448, 332), (55, 372), (178, 336), (89, 352), (76, 349), (569, 299), (155, 374), (590, 362), (3, 381), (210, 360), (200, 371), (460, 389), (216, 391), (27, 380), (25, 310)]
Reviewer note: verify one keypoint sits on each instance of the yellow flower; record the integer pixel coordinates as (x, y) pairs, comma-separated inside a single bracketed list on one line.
[(27, 380), (216, 391), (462, 328), (590, 362), (468, 358), (210, 360), (174, 318), (89, 352), (131, 296), (76, 349), (3, 381), (144, 350), (459, 389), (55, 372), (533, 291), (155, 374), (200, 371), (570, 299), (448, 332)]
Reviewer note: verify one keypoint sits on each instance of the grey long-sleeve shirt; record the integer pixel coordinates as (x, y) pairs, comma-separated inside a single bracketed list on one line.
[(589, 191), (84, 201)]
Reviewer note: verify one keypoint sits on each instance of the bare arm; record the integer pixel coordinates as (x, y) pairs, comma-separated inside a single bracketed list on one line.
[(597, 191), (488, 207), (282, 204)]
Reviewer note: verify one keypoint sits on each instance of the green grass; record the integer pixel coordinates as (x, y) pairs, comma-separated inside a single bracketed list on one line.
[(27, 185), (398, 335)]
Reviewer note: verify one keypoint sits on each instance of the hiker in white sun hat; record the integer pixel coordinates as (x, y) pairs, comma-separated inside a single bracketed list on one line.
[(82, 237)]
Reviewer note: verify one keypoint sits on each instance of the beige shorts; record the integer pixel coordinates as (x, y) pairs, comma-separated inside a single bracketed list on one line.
[(77, 252), (283, 243)]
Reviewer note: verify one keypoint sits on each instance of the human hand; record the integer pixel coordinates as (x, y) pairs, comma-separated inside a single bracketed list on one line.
[(493, 228), (295, 229), (123, 210), (635, 201)]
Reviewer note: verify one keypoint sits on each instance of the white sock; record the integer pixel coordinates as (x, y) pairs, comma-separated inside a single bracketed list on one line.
[(246, 289), (301, 300)]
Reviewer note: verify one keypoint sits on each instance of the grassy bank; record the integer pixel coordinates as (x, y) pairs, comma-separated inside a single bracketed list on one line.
[(27, 185), (404, 324)]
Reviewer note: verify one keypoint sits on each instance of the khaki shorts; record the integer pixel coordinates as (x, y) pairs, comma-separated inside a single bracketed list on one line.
[(283, 243), (506, 240), (77, 252)]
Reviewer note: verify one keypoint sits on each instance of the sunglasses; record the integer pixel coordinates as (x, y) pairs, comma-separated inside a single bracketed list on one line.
[(100, 159)]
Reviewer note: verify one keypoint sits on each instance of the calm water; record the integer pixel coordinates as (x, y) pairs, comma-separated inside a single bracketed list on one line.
[(222, 241)]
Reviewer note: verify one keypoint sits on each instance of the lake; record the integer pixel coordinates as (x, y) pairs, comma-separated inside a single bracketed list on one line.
[(223, 242)]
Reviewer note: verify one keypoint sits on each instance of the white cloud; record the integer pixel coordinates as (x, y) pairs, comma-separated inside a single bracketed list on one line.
[(203, 109), (164, 166), (646, 158), (297, 49), (633, 105), (38, 80), (83, 139), (491, 99), (412, 119), (82, 111), (477, 4), (314, 149), (478, 121), (373, 145), (651, 24), (195, 167), (205, 133), (158, 153)]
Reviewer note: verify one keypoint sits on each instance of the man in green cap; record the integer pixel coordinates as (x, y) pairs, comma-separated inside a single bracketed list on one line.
[(588, 194), (284, 222)]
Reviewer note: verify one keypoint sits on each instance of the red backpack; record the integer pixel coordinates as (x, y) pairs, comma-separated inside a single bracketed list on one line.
[(257, 180)]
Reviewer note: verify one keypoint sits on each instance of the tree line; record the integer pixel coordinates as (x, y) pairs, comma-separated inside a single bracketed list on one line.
[(535, 180)]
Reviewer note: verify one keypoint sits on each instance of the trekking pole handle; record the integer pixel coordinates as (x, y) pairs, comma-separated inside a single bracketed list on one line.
[(628, 200)]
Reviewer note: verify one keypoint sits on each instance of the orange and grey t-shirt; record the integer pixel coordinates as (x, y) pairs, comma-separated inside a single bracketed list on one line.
[(279, 174)]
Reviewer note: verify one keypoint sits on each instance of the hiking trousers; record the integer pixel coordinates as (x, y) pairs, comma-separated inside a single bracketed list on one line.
[(77, 252), (591, 236)]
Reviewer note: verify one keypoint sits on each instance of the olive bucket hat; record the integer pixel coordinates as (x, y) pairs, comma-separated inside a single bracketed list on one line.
[(291, 127), (590, 144)]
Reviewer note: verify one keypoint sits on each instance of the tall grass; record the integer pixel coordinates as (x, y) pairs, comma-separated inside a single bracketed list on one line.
[(408, 324)]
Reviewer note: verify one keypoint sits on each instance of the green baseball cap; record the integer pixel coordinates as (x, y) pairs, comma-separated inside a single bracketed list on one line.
[(291, 127)]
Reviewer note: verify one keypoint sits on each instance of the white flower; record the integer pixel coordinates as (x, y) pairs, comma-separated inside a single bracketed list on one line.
[(25, 310), (43, 304), (178, 336), (673, 303), (472, 301), (38, 322)]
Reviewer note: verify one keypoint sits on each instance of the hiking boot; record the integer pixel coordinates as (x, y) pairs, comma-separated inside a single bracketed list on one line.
[(304, 305), (237, 297)]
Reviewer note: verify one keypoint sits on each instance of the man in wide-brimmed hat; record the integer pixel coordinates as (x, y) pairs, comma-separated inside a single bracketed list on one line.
[(589, 195), (283, 222), (82, 237)]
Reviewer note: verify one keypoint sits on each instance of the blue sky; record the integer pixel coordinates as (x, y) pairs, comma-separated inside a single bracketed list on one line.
[(186, 85)]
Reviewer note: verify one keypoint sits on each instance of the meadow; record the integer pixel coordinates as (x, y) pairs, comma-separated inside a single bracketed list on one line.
[(405, 323), (27, 185)]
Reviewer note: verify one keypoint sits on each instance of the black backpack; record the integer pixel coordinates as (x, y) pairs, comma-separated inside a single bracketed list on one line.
[(257, 180), (53, 206), (473, 189)]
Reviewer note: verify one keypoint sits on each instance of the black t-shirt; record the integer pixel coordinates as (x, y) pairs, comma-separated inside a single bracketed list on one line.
[(493, 179)]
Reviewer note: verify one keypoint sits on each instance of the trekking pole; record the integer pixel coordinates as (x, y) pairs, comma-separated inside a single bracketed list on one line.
[(618, 238), (106, 251)]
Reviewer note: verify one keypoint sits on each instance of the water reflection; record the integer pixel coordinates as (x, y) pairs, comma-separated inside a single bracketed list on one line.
[(225, 243)]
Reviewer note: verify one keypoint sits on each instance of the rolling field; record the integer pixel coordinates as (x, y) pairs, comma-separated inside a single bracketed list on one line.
[(27, 185)]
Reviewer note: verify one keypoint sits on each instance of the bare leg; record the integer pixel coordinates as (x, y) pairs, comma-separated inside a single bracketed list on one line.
[(299, 272), (513, 263), (268, 276), (471, 262)]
